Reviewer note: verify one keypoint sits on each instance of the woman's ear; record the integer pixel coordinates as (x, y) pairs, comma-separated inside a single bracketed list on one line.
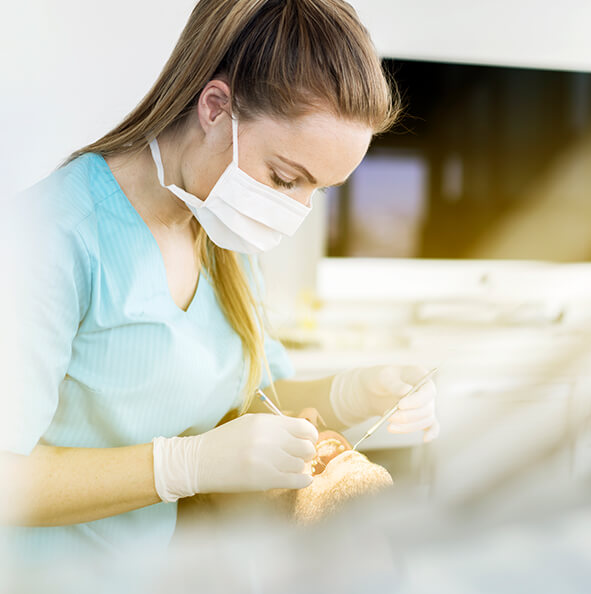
[(214, 102)]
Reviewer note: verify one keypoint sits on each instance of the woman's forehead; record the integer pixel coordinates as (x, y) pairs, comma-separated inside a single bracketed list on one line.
[(327, 147), (310, 125)]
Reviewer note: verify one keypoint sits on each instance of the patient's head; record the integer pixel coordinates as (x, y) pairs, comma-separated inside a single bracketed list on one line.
[(340, 473)]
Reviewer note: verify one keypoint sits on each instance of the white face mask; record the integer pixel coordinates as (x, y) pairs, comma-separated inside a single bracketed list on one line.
[(240, 213)]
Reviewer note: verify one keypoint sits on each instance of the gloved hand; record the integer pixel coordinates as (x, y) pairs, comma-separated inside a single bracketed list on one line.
[(361, 393), (254, 452)]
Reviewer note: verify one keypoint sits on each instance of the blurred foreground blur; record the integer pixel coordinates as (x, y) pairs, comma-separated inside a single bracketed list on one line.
[(528, 532)]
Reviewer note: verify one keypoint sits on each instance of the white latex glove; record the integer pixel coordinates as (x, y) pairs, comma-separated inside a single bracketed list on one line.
[(364, 392), (254, 452)]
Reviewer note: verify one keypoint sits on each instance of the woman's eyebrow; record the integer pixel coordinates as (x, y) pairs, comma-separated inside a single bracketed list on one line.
[(301, 168)]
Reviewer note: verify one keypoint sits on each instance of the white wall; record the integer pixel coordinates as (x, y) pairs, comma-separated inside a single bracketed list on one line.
[(533, 33), (71, 70)]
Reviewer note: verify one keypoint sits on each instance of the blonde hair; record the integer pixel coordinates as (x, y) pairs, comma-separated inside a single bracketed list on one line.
[(281, 58)]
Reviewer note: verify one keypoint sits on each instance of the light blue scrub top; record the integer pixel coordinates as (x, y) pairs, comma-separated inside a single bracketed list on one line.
[(102, 356)]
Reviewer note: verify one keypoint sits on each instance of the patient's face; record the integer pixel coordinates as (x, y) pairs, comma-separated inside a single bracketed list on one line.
[(340, 474)]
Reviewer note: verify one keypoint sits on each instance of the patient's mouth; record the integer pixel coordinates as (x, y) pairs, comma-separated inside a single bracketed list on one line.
[(329, 445)]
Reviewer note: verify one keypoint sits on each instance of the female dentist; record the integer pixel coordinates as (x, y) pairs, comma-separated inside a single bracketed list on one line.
[(137, 303)]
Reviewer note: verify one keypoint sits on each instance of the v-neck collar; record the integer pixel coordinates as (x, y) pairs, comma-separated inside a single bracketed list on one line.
[(152, 240)]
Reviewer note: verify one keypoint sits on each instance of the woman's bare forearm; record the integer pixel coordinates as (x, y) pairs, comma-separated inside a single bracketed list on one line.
[(295, 395), (58, 486)]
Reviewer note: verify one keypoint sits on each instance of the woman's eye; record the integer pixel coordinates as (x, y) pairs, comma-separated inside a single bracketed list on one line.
[(281, 182)]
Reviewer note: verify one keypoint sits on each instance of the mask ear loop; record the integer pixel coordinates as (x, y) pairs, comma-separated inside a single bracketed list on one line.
[(183, 194), (156, 155), (235, 139)]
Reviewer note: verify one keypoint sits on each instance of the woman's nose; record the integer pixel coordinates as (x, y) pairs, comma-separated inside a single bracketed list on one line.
[(308, 200), (305, 199)]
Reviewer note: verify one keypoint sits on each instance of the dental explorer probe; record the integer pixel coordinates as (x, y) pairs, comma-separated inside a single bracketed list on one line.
[(391, 411)]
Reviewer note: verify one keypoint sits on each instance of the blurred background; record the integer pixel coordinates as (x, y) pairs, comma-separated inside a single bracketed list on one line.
[(462, 240), (488, 162)]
